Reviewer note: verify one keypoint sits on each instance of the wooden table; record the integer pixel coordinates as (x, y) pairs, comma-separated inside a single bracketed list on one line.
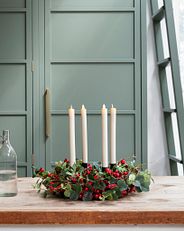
[(164, 204)]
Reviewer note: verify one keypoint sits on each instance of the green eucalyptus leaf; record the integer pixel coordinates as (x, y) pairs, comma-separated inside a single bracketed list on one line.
[(118, 192), (67, 193), (122, 185), (67, 186), (74, 195), (139, 178), (88, 196), (137, 184), (68, 173), (77, 187), (112, 180), (114, 195), (99, 185), (138, 189), (97, 166), (108, 195)]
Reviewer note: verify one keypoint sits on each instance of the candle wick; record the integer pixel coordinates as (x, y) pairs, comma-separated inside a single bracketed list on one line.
[(112, 105), (83, 106), (103, 106), (71, 107)]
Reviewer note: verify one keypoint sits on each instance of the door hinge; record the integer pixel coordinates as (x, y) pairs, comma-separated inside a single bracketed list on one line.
[(32, 66)]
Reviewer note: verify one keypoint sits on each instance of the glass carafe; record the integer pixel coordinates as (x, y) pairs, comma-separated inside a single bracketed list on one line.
[(8, 167)]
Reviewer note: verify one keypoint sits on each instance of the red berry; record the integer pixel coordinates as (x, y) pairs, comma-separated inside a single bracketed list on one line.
[(78, 175), (97, 196), (74, 180), (51, 188), (96, 177), (125, 173), (41, 170), (114, 174), (124, 193), (107, 170), (86, 189), (132, 189), (88, 172), (123, 161), (117, 174), (90, 182), (111, 186)]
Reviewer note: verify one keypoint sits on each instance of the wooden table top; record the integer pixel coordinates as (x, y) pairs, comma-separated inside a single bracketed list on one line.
[(164, 204)]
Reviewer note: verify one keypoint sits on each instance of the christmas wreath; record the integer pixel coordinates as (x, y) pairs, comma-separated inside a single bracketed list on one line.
[(92, 182)]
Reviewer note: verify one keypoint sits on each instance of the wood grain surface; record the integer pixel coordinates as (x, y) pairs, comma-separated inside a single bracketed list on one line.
[(164, 204)]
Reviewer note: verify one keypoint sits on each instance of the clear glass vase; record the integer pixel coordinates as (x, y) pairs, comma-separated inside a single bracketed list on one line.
[(8, 167)]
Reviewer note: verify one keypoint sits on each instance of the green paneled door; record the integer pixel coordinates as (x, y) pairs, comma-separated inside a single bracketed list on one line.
[(93, 56), (85, 52), (16, 79)]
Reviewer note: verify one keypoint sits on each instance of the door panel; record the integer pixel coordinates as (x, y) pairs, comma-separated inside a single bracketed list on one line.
[(17, 127), (90, 4), (12, 3), (78, 36), (92, 85), (92, 56), (12, 39), (12, 79)]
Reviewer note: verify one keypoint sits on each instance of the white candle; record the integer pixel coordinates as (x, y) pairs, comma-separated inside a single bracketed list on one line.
[(84, 135), (71, 113), (113, 134), (104, 137)]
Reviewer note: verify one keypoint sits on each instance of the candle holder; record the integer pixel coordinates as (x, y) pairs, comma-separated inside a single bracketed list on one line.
[(104, 168), (112, 166), (84, 165)]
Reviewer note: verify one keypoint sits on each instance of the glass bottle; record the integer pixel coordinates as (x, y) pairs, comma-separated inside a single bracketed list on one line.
[(8, 168)]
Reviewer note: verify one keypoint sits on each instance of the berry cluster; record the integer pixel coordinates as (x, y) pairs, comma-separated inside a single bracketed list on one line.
[(91, 183)]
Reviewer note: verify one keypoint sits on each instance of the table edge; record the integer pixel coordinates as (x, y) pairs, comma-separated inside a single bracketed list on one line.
[(92, 217)]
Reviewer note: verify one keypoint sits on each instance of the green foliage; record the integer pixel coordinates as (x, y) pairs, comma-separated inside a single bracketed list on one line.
[(88, 196), (122, 185), (142, 181), (91, 183), (74, 195)]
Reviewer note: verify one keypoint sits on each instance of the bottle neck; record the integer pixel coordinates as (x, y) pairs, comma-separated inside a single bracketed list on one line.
[(6, 136)]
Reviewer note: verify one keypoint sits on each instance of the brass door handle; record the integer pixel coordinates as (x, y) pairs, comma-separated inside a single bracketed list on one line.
[(47, 113)]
